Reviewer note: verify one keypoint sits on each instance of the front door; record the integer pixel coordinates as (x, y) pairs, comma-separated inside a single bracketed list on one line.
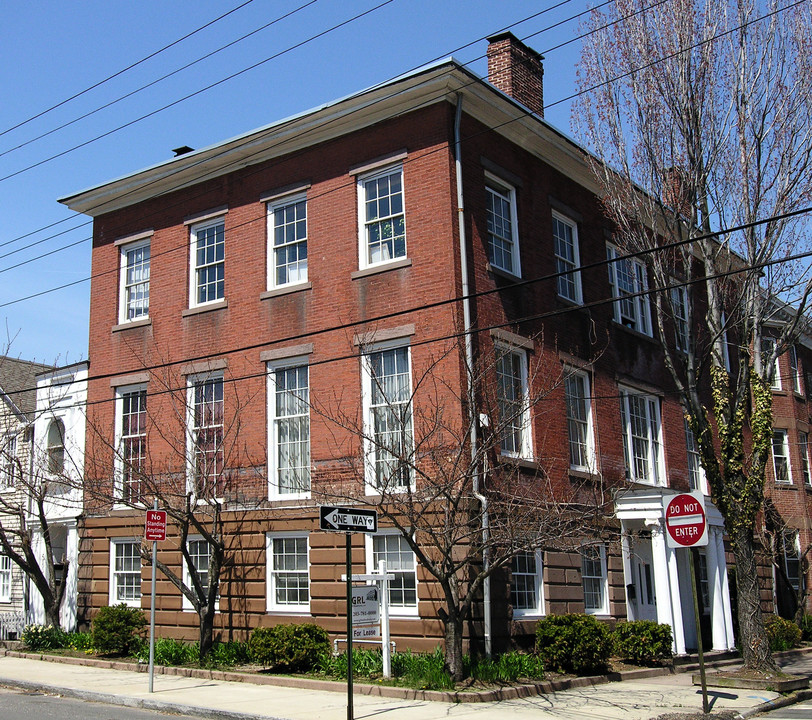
[(644, 581)]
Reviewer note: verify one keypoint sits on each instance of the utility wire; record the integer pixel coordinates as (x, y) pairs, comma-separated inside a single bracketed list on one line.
[(371, 321), (124, 70), (157, 80)]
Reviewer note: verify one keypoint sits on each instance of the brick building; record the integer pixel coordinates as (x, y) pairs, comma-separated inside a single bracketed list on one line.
[(243, 290)]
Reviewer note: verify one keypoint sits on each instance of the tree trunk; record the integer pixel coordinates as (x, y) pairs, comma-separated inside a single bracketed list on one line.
[(52, 614), (453, 646), (756, 649), (206, 631)]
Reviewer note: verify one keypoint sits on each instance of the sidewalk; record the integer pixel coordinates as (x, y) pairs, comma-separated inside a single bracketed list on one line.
[(637, 699)]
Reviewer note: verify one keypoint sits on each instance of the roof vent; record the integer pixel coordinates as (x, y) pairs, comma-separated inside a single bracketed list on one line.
[(182, 150)]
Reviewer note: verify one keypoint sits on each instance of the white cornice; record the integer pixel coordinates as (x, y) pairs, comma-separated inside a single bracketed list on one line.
[(430, 85)]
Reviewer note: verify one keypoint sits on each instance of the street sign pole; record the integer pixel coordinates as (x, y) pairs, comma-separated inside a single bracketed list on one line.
[(152, 610), (686, 526), (349, 625), (705, 708)]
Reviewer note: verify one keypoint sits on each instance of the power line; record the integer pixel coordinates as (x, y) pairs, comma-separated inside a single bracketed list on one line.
[(158, 80), (197, 92), (371, 321), (275, 129), (124, 70)]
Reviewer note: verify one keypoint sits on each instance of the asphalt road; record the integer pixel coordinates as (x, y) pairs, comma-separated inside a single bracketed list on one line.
[(802, 711), (17, 704)]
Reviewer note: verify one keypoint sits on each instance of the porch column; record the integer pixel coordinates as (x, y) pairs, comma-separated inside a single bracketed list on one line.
[(669, 608), (727, 610)]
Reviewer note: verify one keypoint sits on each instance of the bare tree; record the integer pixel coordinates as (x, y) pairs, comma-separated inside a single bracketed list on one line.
[(699, 114), (25, 516), (465, 515), (179, 445)]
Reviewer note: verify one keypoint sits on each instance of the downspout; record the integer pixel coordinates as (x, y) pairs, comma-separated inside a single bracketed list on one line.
[(469, 367)]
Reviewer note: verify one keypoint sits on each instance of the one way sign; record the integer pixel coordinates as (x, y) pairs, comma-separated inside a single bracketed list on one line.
[(336, 519)]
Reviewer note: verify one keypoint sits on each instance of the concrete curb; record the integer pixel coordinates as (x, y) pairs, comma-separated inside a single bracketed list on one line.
[(776, 704)]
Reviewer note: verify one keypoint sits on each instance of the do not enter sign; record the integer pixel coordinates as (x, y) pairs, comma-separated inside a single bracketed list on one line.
[(685, 521)]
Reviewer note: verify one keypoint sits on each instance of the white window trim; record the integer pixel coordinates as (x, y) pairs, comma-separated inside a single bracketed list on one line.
[(276, 204), (369, 449), (679, 301), (8, 572), (118, 456), (591, 452), (8, 462), (604, 578), (576, 272), (493, 182), (657, 464), (271, 605), (122, 283), (539, 610), (642, 319), (187, 578), (112, 599), (193, 230), (803, 449), (272, 367), (702, 480), (394, 612), (794, 536), (191, 381), (795, 369), (363, 248), (785, 447), (526, 451)]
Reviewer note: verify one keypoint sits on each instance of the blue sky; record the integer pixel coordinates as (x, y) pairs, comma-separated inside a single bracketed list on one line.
[(54, 50)]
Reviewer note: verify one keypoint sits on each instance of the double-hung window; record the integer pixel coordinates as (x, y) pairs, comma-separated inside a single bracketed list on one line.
[(134, 285), (207, 281), (381, 219), (642, 446), (5, 578), (55, 447), (595, 579), (781, 466), (512, 399), (8, 462), (791, 558), (289, 429), (526, 585), (767, 349), (682, 328), (579, 421), (132, 442), (627, 278), (206, 436), (287, 233), (565, 248), (125, 572), (387, 395), (803, 448), (503, 233), (400, 562), (200, 556), (288, 573), (794, 369), (696, 473)]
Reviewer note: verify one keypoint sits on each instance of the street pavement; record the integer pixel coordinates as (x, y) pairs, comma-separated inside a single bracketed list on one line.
[(635, 699)]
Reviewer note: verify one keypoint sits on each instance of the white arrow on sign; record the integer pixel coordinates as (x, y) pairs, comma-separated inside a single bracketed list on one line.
[(343, 519)]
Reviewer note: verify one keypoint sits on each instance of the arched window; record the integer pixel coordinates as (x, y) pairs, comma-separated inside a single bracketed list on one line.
[(56, 446)]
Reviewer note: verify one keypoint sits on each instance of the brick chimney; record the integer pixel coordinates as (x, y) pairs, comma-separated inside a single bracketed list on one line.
[(516, 70)]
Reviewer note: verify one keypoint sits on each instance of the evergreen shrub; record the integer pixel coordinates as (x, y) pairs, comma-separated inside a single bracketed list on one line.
[(573, 643), (289, 648), (118, 630)]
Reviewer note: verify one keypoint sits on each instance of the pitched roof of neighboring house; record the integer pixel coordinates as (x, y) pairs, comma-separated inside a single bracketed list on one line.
[(18, 385)]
